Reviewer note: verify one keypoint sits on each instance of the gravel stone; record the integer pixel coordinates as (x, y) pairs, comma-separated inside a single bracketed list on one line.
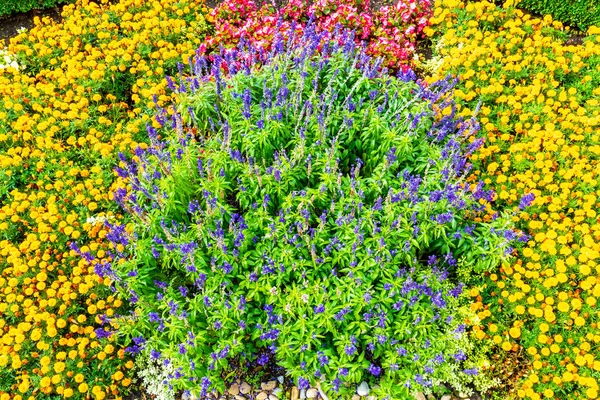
[(234, 389), (268, 386), (262, 396), (245, 388), (363, 389), (295, 395)]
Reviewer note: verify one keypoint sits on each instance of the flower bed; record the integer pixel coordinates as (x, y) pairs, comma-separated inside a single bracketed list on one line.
[(87, 89), (539, 114), (67, 109)]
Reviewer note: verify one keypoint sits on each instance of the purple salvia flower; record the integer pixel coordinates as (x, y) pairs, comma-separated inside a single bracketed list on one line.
[(526, 201), (374, 370), (303, 384)]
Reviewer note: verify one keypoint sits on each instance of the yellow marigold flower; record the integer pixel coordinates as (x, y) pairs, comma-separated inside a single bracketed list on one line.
[(563, 306), (83, 387), (532, 351), (24, 386), (45, 382), (59, 367), (515, 332)]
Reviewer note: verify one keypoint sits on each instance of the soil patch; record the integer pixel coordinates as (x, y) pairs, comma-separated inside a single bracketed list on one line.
[(575, 40), (9, 26)]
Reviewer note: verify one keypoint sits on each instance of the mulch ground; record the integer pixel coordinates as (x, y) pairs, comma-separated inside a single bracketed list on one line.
[(10, 25)]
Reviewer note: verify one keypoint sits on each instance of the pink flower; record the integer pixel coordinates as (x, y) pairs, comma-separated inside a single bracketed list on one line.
[(390, 32)]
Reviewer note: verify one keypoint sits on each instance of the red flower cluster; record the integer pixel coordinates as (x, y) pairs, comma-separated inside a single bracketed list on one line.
[(389, 32)]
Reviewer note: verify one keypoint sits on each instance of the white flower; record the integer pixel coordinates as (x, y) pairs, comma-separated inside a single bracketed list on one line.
[(7, 60), (97, 220), (153, 374)]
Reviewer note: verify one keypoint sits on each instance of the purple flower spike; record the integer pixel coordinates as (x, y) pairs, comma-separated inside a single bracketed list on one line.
[(526, 201), (303, 383)]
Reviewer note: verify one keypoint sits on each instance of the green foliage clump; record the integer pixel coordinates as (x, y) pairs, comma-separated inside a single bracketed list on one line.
[(308, 211), (9, 7), (579, 13)]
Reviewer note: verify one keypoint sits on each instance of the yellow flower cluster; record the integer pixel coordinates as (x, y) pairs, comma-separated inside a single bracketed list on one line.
[(539, 88), (81, 94)]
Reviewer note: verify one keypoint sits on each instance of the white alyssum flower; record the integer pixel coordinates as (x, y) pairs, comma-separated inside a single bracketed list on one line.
[(434, 64), (7, 60), (155, 377), (100, 219), (95, 220)]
